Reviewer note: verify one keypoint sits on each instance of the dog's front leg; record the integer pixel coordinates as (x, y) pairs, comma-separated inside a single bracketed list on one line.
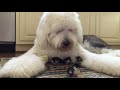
[(24, 66), (104, 63), (111, 52)]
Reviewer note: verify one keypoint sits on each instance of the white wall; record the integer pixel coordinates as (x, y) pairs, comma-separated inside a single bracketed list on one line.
[(7, 26)]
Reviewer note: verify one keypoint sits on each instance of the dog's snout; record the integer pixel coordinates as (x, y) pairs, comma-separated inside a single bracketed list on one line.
[(66, 43)]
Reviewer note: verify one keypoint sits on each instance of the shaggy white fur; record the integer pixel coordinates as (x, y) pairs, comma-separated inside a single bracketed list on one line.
[(104, 63), (111, 52), (24, 66), (53, 30)]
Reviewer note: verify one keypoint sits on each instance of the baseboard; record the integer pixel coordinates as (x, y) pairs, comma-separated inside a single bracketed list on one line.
[(7, 47), (23, 47), (115, 46)]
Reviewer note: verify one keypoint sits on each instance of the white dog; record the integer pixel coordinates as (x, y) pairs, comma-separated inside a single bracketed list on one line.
[(59, 34)]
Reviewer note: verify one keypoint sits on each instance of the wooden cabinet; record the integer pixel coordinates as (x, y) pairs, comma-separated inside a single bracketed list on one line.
[(27, 23), (108, 27), (105, 25), (88, 22), (26, 26)]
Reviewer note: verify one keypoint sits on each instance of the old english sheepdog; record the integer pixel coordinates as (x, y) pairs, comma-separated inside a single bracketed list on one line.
[(59, 34)]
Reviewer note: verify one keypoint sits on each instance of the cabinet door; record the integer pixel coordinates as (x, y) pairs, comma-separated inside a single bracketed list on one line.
[(108, 27), (27, 23), (88, 22)]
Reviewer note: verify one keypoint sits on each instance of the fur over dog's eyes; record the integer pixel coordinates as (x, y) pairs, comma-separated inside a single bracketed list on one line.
[(60, 31)]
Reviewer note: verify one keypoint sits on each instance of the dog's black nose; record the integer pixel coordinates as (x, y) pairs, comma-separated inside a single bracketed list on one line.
[(66, 43)]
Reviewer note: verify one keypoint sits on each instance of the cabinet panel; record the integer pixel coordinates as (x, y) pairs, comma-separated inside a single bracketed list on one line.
[(28, 23), (84, 17), (108, 27)]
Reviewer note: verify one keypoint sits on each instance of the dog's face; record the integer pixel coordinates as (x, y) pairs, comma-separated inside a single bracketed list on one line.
[(62, 29), (64, 38)]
